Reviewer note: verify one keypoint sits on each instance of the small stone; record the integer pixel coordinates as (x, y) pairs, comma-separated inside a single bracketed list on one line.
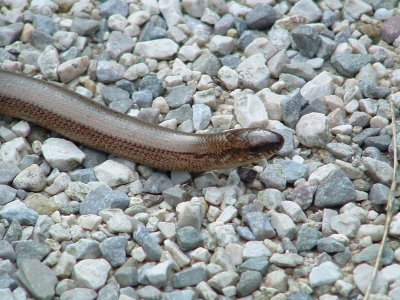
[(390, 29), (119, 43), (345, 224), (208, 64), (10, 33), (32, 179), (78, 293), (254, 249), (159, 274), (92, 273), (189, 277), (273, 177), (112, 7), (259, 264), (179, 95), (330, 245), (223, 279), (113, 250), (229, 77), (109, 71), (85, 26), (307, 238), (7, 194), (355, 8), (160, 49), (318, 88), (157, 183), (250, 112), (348, 64), (260, 225), (307, 9), (287, 260), (17, 210), (283, 225), (223, 45), (253, 73), (188, 238), (101, 198), (113, 173), (62, 154), (337, 189), (362, 275), (324, 274), (379, 194), (307, 40), (38, 279), (378, 170), (248, 283), (277, 280), (149, 292), (312, 130), (8, 171), (262, 17), (201, 116), (370, 253)]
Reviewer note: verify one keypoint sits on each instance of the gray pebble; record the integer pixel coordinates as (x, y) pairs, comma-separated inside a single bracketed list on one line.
[(330, 245), (259, 264), (174, 195), (180, 295), (7, 251), (149, 293), (83, 175), (101, 198), (119, 43), (273, 176), (39, 279), (109, 71), (85, 26), (379, 194), (188, 238), (43, 23), (152, 83), (84, 249), (335, 190), (157, 183), (8, 171), (181, 114), (262, 17), (7, 194), (127, 276), (260, 225), (113, 250), (380, 142), (348, 64), (293, 171), (16, 210), (7, 282), (10, 33), (142, 98), (179, 95), (299, 69), (151, 248), (306, 39), (225, 23), (307, 238), (201, 116), (248, 283), (189, 277), (363, 135), (112, 7), (291, 107), (208, 64), (369, 254), (245, 233), (231, 61)]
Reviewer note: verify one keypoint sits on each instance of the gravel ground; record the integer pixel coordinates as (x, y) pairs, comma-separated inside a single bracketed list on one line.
[(79, 224)]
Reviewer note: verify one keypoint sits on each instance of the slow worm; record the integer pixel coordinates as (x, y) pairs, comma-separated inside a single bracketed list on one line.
[(89, 123)]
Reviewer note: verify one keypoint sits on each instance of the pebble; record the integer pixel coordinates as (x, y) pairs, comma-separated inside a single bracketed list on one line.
[(362, 278), (10, 33), (157, 183), (39, 279), (223, 279), (260, 225), (160, 49), (31, 179), (189, 277), (92, 273), (307, 40), (312, 130), (113, 250), (113, 173), (307, 9), (284, 225), (188, 238), (390, 29), (250, 112), (62, 154), (328, 194), (262, 17), (249, 282), (325, 273), (101, 198), (253, 73), (307, 238), (287, 260), (348, 64), (378, 170)]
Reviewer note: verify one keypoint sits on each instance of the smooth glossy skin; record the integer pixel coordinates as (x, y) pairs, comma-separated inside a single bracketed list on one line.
[(84, 121)]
